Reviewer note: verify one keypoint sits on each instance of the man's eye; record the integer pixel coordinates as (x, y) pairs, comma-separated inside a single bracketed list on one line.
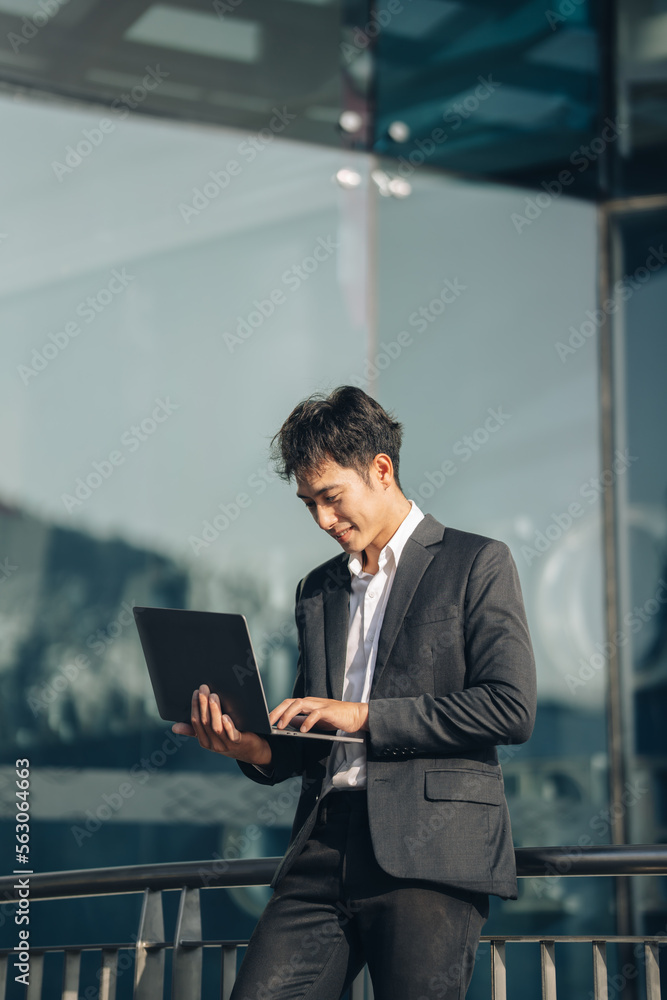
[(326, 500)]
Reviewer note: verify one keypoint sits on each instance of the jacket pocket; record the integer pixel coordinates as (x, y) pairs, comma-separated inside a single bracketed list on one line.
[(436, 613), (461, 785)]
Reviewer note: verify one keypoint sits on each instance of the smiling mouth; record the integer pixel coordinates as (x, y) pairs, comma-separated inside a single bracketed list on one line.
[(339, 537)]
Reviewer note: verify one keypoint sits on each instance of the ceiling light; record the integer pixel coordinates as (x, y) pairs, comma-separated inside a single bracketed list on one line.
[(350, 121), (198, 32), (348, 178)]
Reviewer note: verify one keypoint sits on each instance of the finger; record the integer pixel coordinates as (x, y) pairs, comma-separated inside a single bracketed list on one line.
[(215, 712), (311, 719), (195, 717), (222, 726), (196, 720), (297, 707), (183, 729), (276, 712), (231, 730), (203, 703)]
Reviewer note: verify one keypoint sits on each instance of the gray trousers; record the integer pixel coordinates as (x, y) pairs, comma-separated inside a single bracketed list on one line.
[(336, 910)]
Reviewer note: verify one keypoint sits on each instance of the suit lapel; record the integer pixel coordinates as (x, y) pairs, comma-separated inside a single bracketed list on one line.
[(336, 627), (336, 601), (412, 565)]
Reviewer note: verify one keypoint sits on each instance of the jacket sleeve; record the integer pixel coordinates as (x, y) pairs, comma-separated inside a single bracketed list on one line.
[(289, 753), (498, 702)]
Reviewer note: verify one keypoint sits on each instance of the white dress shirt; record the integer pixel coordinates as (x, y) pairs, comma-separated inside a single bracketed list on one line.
[(346, 767)]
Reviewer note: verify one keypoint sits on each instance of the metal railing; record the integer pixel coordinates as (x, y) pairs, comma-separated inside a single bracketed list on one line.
[(187, 947)]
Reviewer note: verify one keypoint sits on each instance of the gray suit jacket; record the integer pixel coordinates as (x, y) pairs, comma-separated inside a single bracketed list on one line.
[(454, 678)]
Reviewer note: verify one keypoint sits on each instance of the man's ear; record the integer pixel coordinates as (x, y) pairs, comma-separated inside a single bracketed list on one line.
[(383, 468)]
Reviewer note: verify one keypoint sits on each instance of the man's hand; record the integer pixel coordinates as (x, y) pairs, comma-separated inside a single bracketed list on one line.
[(326, 713), (216, 731)]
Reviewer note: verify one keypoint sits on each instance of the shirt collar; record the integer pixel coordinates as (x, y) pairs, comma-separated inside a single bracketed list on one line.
[(396, 543)]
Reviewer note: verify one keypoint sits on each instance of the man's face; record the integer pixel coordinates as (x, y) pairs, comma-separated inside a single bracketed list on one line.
[(344, 506)]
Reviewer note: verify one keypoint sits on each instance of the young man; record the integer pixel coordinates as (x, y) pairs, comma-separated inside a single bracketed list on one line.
[(415, 637)]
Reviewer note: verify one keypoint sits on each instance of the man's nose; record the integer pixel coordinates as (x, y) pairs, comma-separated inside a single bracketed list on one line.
[(325, 518)]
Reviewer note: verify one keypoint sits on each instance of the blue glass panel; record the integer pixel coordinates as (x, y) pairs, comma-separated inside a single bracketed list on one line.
[(505, 90)]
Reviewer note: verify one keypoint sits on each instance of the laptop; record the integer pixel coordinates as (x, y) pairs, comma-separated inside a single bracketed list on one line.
[(184, 649)]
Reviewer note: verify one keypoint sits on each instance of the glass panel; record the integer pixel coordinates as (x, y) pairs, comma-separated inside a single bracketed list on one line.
[(641, 362), (475, 356), (641, 96), (159, 323), (233, 62), (504, 90)]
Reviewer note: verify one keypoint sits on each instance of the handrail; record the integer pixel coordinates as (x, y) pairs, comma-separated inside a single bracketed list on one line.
[(151, 948), (602, 860), (599, 860), (136, 878)]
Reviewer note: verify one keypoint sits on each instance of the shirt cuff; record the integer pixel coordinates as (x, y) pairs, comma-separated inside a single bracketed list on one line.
[(266, 771)]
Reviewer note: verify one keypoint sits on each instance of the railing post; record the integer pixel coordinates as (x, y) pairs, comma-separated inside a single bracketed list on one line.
[(498, 971), (34, 991), (108, 974), (548, 964), (651, 957), (148, 962), (600, 970), (71, 975), (187, 962), (227, 971)]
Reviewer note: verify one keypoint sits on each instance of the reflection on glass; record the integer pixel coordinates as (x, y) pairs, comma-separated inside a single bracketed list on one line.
[(502, 439), (641, 96), (641, 361), (504, 91), (237, 63), (161, 317)]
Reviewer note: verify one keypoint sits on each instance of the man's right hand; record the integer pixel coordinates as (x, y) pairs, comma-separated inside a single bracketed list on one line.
[(216, 731)]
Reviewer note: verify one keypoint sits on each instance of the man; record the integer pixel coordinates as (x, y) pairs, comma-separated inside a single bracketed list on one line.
[(414, 637)]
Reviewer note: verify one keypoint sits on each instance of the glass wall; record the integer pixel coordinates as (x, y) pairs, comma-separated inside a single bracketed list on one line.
[(170, 290), (231, 62), (477, 323), (158, 325), (159, 330), (503, 90), (640, 360), (639, 91)]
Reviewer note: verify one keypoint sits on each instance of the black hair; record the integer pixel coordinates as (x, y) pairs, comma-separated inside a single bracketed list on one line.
[(348, 426)]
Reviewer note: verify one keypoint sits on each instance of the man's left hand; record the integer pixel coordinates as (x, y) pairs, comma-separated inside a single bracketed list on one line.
[(326, 713)]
